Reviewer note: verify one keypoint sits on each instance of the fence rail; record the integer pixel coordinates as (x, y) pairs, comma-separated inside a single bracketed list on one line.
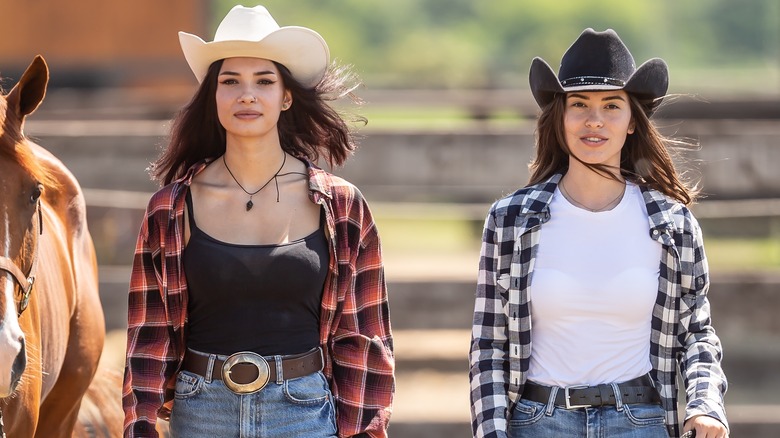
[(738, 208)]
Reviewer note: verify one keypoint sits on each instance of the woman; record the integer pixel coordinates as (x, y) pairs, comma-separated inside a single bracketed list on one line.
[(593, 280), (258, 304)]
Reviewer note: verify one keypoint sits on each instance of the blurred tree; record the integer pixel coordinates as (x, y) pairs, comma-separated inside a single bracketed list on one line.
[(478, 44)]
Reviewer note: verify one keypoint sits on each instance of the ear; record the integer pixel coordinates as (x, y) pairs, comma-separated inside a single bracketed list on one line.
[(631, 126), (28, 93)]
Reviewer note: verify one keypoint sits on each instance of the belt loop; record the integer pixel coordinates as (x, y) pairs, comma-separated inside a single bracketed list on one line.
[(279, 369), (551, 401), (210, 368), (618, 397)]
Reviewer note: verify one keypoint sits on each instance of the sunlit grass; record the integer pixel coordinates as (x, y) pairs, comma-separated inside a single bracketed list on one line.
[(428, 236), (417, 117), (743, 254)]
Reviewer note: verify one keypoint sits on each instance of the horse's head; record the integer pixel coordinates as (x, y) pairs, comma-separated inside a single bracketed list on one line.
[(22, 181)]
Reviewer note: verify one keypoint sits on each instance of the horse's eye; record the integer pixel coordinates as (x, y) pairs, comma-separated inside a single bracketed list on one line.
[(36, 194)]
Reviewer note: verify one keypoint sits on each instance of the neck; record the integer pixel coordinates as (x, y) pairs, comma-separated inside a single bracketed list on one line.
[(592, 190), (253, 162)]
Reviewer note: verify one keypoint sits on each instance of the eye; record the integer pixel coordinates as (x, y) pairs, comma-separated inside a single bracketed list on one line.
[(265, 82), (36, 194), (228, 82)]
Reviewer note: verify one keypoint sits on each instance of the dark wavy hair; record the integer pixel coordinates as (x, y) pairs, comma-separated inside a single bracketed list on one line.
[(310, 129), (646, 157)]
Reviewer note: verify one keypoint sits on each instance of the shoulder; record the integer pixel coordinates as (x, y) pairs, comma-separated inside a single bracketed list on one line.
[(337, 189), (161, 210), (532, 199), (163, 199), (663, 210), (345, 191)]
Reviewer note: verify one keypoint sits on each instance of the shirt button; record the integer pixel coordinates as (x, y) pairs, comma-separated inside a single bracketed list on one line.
[(655, 232)]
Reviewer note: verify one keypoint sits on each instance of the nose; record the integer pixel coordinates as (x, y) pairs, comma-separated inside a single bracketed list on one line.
[(247, 97), (594, 120), (19, 365)]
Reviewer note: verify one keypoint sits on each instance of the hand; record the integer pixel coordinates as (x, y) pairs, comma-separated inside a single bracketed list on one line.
[(706, 427)]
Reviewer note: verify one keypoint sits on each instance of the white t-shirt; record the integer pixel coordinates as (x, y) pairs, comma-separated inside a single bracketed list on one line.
[(592, 293)]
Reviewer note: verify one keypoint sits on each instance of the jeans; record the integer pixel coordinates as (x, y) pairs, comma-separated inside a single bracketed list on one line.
[(539, 420), (301, 407)]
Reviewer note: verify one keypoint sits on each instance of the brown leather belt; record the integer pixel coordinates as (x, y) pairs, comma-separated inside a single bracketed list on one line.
[(248, 372), (639, 390)]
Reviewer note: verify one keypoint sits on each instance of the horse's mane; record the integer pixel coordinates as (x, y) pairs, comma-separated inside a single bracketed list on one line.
[(15, 146)]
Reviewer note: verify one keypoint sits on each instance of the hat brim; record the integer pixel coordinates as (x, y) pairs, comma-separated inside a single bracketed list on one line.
[(649, 83), (303, 51), (543, 81)]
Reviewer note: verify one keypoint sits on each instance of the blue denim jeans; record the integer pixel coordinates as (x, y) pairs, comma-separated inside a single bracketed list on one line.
[(539, 420), (289, 408)]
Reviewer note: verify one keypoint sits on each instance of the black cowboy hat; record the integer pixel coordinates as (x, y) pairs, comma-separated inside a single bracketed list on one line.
[(599, 61)]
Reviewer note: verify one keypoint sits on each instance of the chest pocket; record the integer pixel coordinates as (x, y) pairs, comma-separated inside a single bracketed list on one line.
[(502, 283)]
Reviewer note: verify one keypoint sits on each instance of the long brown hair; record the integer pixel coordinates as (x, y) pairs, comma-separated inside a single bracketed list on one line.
[(309, 129), (645, 158)]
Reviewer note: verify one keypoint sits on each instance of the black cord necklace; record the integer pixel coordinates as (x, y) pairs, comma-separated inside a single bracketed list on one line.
[(249, 203)]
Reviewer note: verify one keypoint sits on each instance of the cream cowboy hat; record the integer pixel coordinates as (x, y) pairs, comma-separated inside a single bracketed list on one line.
[(600, 61), (252, 32)]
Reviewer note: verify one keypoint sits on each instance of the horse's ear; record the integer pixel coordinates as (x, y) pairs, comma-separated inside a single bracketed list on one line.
[(29, 92)]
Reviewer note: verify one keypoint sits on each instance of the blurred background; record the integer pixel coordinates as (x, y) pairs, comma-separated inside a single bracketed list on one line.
[(450, 130)]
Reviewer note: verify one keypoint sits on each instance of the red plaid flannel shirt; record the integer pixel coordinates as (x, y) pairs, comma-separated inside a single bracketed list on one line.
[(354, 318)]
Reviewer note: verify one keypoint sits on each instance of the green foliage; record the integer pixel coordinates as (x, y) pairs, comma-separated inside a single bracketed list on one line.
[(490, 43)]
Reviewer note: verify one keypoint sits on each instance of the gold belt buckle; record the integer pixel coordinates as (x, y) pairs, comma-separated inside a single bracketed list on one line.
[(263, 372)]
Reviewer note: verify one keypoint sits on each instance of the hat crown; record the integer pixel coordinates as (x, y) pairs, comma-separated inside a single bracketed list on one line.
[(246, 24), (599, 61), (597, 55)]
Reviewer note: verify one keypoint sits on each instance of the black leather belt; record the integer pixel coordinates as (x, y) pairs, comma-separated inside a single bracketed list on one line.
[(248, 372), (639, 390)]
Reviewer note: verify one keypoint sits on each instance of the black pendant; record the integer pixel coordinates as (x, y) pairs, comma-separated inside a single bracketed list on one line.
[(249, 205)]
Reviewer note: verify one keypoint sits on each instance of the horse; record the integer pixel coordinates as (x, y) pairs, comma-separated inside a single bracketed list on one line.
[(51, 321), (101, 414)]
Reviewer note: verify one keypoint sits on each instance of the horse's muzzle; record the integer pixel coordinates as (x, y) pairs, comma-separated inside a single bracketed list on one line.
[(17, 369)]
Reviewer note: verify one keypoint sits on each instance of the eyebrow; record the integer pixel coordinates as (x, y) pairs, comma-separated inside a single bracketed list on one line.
[(257, 73), (584, 97)]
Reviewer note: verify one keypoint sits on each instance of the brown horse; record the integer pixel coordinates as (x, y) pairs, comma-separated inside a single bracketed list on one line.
[(101, 414), (51, 320)]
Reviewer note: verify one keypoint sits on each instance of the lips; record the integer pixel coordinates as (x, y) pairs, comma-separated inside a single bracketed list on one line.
[(247, 114), (594, 140)]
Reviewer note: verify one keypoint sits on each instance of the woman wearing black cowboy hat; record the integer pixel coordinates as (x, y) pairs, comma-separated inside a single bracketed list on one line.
[(593, 282)]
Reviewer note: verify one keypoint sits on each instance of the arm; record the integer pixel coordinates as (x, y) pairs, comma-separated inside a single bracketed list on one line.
[(703, 376), (488, 374), (362, 346), (149, 356)]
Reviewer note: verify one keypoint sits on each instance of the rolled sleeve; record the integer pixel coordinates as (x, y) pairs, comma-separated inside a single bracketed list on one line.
[(705, 381), (150, 358), (362, 345)]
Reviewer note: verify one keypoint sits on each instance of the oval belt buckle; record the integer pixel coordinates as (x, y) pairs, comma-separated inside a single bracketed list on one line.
[(263, 372)]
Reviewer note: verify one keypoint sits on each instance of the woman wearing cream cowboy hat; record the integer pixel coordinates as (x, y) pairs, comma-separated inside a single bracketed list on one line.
[(593, 282), (258, 304)]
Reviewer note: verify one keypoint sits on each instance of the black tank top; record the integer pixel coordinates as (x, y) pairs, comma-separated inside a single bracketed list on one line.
[(260, 298)]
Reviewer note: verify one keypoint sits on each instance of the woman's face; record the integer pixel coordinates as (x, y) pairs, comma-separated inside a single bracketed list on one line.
[(250, 97), (596, 125)]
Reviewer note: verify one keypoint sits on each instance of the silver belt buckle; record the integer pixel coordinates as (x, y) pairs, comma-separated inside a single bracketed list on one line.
[(567, 398), (263, 372)]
